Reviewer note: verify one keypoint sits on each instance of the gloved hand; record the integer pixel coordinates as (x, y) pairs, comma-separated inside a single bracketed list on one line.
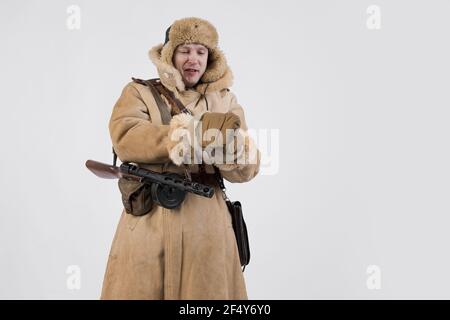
[(180, 143), (245, 153), (190, 136), (217, 123)]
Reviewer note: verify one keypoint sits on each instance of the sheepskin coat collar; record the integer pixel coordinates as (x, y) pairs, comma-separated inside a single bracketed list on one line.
[(218, 75)]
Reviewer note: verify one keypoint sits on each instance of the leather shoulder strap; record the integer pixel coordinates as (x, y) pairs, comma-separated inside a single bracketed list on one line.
[(177, 105), (162, 107)]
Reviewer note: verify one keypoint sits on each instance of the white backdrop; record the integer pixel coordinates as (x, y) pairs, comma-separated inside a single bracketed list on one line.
[(358, 205)]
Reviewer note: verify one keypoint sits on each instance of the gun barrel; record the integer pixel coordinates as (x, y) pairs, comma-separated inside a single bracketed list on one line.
[(168, 179)]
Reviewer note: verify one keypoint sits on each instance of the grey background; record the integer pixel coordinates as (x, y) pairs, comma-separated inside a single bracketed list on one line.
[(362, 114)]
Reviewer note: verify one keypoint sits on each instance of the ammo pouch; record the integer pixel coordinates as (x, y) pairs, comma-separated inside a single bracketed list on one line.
[(136, 196)]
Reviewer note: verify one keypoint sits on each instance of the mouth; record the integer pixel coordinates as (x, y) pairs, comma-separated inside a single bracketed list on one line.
[(191, 71)]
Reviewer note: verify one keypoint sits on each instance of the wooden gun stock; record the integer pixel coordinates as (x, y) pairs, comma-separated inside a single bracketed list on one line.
[(107, 171)]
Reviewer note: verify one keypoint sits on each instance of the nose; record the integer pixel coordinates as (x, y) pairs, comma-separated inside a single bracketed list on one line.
[(192, 57)]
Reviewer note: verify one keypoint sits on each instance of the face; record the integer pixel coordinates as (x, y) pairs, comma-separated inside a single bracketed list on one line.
[(191, 61)]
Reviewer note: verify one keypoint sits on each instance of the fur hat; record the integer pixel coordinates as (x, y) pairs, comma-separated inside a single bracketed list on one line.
[(192, 30), (217, 75)]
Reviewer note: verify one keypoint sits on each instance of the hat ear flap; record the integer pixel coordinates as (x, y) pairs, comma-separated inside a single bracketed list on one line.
[(217, 66), (167, 53)]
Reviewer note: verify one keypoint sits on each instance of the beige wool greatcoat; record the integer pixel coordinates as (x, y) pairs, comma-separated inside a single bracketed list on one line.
[(184, 253)]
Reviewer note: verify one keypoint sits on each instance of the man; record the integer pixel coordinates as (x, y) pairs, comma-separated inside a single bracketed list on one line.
[(189, 252)]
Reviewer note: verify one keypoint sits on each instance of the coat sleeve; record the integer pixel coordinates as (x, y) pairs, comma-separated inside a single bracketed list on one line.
[(246, 171), (134, 137)]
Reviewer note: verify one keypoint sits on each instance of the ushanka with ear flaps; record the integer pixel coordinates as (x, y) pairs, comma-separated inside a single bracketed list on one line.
[(217, 76)]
